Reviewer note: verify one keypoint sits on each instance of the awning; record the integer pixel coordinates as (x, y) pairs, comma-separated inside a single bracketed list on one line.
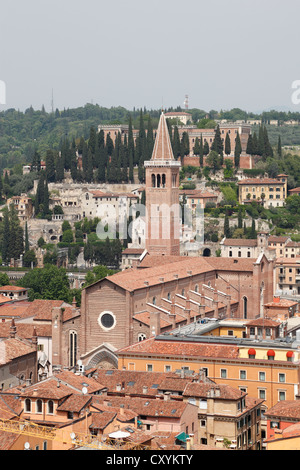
[(182, 436)]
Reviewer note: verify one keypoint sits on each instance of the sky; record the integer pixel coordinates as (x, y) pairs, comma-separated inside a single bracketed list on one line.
[(136, 53)]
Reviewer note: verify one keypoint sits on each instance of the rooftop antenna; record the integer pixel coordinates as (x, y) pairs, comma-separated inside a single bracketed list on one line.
[(186, 102), (52, 102)]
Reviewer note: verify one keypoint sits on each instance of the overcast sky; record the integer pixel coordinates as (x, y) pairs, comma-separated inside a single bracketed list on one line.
[(136, 53)]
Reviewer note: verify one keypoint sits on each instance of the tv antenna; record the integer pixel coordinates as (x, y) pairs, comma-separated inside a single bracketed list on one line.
[(186, 102)]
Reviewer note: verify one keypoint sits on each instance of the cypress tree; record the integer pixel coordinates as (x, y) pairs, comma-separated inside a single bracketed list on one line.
[(39, 197), (217, 144), (206, 148), (249, 149), (201, 151), (6, 238), (176, 143), (50, 165), (102, 165), (279, 148), (237, 151), (255, 144), (226, 226), (26, 242), (196, 148), (46, 198), (227, 145), (240, 218), (253, 233), (130, 146)]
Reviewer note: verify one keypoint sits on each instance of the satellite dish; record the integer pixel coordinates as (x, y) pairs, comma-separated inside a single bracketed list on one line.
[(79, 362), (84, 390), (27, 445), (72, 435)]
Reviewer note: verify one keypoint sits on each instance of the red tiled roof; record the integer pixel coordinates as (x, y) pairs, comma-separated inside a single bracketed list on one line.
[(285, 409), (240, 242), (260, 181), (75, 403), (12, 288), (11, 348), (155, 347)]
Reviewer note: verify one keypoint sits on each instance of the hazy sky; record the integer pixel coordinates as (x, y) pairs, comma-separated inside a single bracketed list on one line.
[(136, 53)]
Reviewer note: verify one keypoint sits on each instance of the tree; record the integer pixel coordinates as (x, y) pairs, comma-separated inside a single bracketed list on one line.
[(196, 149), (50, 165), (26, 242), (214, 160), (237, 151), (49, 282), (217, 144), (206, 148), (201, 151), (6, 238), (279, 148), (227, 145), (176, 143), (249, 149), (29, 259), (253, 233), (4, 279), (226, 226), (240, 218)]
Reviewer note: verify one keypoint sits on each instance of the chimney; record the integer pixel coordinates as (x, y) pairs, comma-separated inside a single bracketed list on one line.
[(188, 443), (121, 409), (154, 323), (167, 396), (118, 387), (74, 302), (145, 389), (34, 337), (13, 329)]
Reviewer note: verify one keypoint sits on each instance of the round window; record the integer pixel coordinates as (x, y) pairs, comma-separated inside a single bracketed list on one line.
[(106, 320)]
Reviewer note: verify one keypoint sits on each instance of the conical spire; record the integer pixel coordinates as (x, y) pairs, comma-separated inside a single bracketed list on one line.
[(162, 149)]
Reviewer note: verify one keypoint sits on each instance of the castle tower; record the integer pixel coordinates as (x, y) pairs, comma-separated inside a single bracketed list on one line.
[(162, 196)]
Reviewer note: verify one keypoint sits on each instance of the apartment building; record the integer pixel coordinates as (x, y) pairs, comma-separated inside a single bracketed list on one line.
[(271, 192)]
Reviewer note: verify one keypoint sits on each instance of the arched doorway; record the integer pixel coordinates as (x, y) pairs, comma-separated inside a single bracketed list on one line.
[(206, 252)]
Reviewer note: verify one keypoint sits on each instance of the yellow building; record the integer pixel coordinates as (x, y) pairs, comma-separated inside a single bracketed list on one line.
[(264, 369), (271, 191)]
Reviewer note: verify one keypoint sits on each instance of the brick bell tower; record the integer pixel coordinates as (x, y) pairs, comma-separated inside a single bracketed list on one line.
[(162, 196)]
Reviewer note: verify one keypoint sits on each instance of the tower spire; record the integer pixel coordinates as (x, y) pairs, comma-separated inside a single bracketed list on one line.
[(162, 149)]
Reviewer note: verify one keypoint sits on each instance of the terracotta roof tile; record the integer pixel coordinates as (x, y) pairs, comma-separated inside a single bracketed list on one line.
[(159, 347), (285, 409), (12, 348), (75, 403)]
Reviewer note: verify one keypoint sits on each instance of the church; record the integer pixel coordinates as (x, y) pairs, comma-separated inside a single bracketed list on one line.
[(167, 290)]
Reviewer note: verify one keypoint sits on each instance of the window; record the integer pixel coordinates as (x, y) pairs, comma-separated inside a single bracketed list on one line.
[(224, 373), (50, 407), (281, 378), (262, 394), (106, 320), (262, 376), (73, 348), (167, 368), (203, 404), (243, 374), (141, 337), (281, 395), (39, 406), (149, 367), (28, 405)]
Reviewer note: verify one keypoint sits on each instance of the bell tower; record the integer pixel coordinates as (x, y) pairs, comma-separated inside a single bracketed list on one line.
[(162, 196)]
